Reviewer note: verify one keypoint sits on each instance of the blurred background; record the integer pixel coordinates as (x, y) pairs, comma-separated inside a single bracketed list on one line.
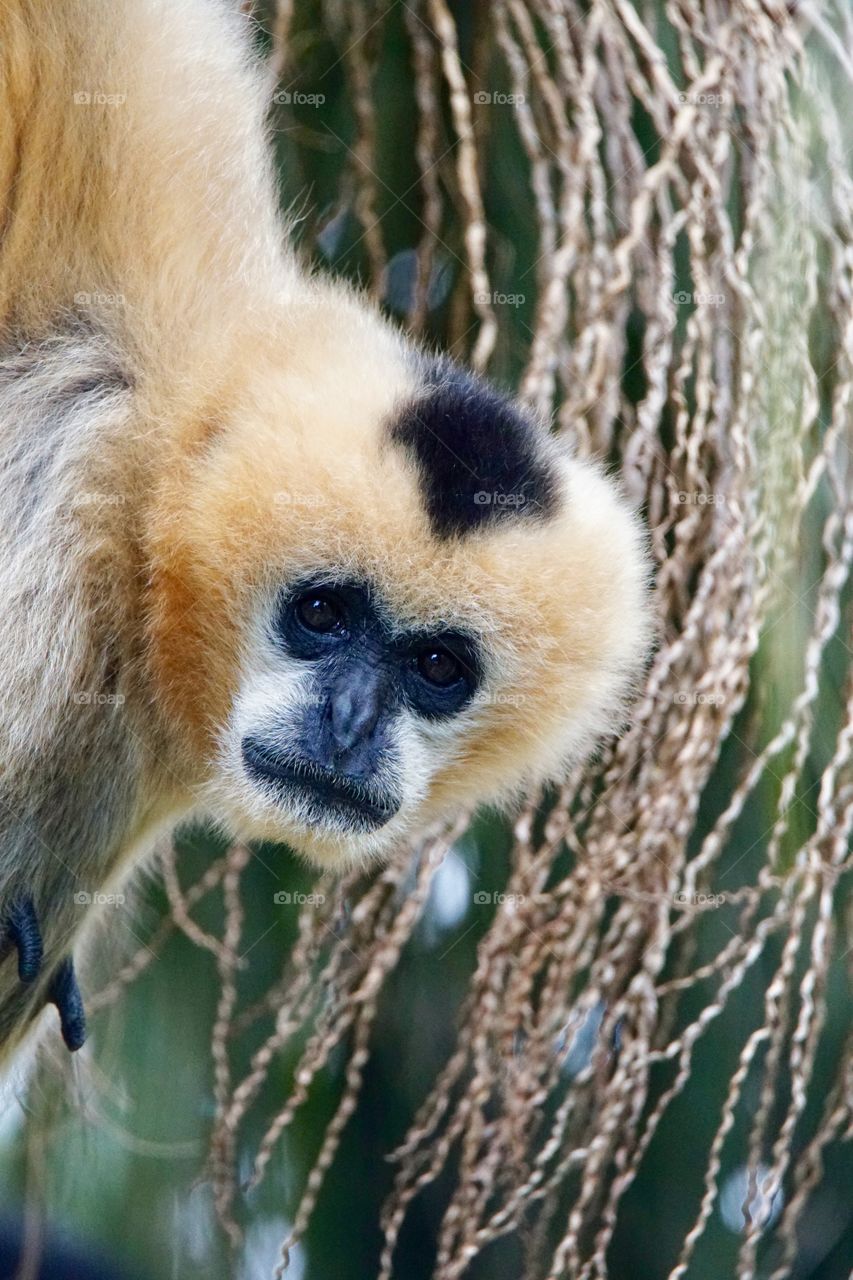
[(676, 176)]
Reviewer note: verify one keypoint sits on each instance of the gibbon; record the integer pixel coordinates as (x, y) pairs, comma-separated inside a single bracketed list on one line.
[(261, 556)]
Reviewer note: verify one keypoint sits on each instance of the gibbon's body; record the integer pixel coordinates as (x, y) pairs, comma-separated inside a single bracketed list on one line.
[(259, 556)]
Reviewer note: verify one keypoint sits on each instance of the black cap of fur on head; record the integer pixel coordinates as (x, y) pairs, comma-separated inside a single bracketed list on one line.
[(480, 460)]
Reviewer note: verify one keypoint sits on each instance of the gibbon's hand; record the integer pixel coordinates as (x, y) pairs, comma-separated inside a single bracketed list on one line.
[(21, 931)]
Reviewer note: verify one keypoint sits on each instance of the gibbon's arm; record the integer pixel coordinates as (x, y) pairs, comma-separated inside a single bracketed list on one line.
[(138, 233), (260, 556)]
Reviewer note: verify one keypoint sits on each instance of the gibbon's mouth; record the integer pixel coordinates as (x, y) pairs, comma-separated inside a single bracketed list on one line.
[(329, 795)]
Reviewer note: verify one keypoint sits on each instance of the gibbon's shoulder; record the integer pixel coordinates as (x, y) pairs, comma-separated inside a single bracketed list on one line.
[(140, 126)]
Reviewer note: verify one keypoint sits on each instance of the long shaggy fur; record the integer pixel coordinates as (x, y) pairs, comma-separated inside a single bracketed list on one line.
[(186, 420)]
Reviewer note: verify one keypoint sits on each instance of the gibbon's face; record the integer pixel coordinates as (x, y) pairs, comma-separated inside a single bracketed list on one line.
[(380, 593)]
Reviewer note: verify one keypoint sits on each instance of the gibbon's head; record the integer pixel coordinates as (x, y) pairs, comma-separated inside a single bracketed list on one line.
[(381, 592)]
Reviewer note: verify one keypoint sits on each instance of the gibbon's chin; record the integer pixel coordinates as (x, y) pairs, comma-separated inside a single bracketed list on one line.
[(329, 838)]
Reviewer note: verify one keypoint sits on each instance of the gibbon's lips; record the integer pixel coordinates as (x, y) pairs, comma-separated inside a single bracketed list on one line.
[(358, 803)]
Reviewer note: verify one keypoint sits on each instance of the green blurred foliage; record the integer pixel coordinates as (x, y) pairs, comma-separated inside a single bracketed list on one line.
[(128, 1178)]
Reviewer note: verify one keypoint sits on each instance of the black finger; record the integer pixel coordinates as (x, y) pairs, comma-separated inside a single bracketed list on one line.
[(22, 928), (65, 994)]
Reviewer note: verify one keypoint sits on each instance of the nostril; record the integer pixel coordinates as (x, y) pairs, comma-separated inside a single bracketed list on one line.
[(353, 763)]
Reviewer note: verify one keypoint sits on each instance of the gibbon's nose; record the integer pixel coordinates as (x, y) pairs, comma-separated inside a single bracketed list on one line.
[(356, 705)]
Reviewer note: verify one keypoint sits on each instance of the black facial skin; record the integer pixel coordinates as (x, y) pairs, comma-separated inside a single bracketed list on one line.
[(365, 672)]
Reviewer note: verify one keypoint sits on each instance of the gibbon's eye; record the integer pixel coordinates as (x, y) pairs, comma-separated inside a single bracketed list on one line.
[(439, 666), (316, 619), (319, 611), (444, 673)]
